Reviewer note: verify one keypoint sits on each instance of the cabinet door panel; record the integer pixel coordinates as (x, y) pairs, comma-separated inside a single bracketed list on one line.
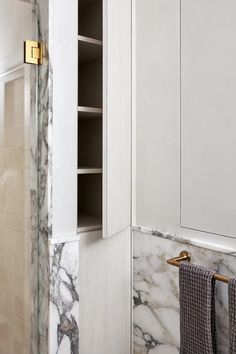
[(208, 110), (116, 115)]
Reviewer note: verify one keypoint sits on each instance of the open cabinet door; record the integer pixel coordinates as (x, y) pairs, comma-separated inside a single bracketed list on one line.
[(116, 116)]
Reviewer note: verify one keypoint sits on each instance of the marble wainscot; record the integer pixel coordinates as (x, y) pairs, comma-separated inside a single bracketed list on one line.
[(156, 291), (64, 297)]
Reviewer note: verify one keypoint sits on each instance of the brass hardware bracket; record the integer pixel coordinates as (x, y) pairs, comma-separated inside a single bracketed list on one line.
[(185, 256), (33, 52)]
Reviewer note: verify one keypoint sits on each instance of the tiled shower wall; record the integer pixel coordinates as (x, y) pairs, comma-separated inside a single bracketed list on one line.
[(15, 225), (18, 185), (156, 293)]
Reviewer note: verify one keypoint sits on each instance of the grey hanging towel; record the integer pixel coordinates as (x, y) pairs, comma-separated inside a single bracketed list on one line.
[(197, 310), (232, 316)]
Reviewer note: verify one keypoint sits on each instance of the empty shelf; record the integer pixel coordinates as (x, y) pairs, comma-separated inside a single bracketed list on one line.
[(89, 112), (89, 49), (89, 40), (89, 222), (88, 170)]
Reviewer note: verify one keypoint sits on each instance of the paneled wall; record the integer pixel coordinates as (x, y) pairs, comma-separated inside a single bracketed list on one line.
[(184, 102), (184, 163)]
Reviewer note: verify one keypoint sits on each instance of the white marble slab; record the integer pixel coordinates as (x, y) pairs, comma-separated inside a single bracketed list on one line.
[(156, 293), (44, 172), (216, 243), (64, 298)]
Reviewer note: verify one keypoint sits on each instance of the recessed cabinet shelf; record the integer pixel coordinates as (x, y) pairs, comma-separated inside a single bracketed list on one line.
[(90, 83), (90, 65), (89, 222), (90, 143), (89, 112), (88, 170), (90, 40), (90, 18), (89, 49), (89, 201), (104, 115)]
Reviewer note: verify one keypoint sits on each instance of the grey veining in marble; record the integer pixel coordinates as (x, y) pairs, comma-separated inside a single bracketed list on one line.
[(44, 172), (34, 194), (217, 243), (64, 298), (156, 293)]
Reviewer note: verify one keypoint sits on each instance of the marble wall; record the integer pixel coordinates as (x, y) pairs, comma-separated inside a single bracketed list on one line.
[(58, 257), (156, 292), (64, 298), (18, 184), (44, 172)]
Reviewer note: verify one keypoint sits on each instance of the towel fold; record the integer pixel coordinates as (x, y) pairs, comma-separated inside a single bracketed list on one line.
[(232, 316), (197, 310)]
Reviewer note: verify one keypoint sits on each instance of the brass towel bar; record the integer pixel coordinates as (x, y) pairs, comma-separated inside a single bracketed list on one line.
[(185, 256)]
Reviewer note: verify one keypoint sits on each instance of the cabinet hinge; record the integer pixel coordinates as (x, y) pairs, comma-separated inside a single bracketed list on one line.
[(33, 52)]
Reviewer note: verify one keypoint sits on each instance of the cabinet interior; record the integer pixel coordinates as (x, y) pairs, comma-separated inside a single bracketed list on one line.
[(90, 115), (90, 83), (90, 201), (90, 143), (90, 18)]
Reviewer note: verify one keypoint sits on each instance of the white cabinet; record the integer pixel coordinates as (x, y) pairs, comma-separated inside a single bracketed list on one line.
[(208, 112), (104, 116), (185, 75), (91, 136)]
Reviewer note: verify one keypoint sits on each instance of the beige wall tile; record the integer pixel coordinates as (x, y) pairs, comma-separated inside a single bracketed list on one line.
[(3, 157), (15, 158), (15, 224), (19, 266), (14, 137), (19, 307), (3, 196), (15, 201), (14, 103)]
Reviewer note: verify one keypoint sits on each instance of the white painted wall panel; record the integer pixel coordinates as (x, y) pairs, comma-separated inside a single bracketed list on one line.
[(184, 103), (156, 58), (208, 115)]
